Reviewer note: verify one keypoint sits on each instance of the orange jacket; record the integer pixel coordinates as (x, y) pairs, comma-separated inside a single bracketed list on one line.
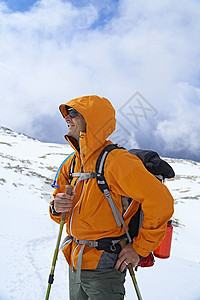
[(91, 217)]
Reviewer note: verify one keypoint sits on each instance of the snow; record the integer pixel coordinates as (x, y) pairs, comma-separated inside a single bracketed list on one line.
[(28, 236)]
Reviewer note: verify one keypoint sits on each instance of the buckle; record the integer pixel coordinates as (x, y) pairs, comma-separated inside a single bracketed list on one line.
[(93, 175), (93, 244), (113, 247)]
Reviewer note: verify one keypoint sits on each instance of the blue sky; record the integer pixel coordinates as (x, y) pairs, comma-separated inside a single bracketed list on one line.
[(105, 11), (19, 5), (24, 5), (142, 55)]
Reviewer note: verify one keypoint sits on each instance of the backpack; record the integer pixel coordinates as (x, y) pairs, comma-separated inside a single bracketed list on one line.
[(153, 163)]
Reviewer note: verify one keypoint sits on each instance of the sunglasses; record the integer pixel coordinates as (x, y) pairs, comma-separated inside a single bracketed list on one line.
[(71, 111)]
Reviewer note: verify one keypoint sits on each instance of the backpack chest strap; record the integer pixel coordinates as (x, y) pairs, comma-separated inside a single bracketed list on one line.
[(84, 176)]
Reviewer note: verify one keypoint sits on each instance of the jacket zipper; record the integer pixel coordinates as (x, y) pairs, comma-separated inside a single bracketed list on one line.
[(82, 198), (70, 221), (82, 171)]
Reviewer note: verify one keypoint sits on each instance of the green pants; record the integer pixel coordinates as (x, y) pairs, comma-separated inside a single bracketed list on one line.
[(100, 284)]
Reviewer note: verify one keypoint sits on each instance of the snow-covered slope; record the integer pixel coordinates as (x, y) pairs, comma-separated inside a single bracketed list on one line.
[(28, 236)]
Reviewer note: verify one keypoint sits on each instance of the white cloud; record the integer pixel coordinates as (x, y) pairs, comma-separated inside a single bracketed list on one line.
[(180, 131), (56, 51)]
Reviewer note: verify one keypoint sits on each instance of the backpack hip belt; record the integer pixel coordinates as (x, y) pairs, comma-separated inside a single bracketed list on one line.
[(110, 245)]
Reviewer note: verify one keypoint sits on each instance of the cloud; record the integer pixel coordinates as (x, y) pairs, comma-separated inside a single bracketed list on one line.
[(181, 129), (58, 50)]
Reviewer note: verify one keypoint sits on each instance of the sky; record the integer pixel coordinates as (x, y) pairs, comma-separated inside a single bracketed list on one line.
[(144, 56)]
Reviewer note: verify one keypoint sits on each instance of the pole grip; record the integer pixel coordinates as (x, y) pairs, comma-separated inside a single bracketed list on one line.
[(69, 189)]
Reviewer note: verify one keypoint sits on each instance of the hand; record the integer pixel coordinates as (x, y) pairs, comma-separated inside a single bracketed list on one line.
[(128, 255), (63, 202)]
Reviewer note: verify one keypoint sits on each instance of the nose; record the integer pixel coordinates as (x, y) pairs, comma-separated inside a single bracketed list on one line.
[(68, 118)]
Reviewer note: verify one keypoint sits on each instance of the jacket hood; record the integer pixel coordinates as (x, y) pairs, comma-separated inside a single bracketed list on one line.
[(99, 115)]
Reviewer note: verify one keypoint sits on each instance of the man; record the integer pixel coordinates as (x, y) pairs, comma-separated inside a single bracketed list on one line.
[(90, 121)]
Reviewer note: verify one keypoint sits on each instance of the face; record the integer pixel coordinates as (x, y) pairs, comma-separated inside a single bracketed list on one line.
[(75, 126)]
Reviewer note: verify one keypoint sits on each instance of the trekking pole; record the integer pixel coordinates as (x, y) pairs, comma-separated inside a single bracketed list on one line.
[(62, 222), (130, 268)]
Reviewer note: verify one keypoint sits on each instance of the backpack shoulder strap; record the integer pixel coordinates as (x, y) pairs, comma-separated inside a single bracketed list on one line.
[(102, 184), (104, 188)]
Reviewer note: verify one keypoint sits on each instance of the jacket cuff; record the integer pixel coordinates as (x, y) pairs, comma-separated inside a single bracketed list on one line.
[(53, 211)]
